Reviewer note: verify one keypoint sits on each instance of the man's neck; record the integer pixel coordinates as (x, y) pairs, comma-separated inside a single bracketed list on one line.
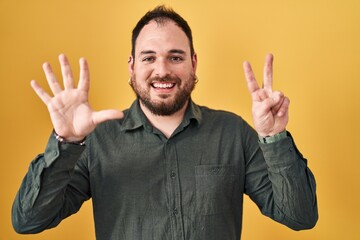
[(166, 124)]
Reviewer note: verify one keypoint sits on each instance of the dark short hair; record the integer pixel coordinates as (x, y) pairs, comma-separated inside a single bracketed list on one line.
[(160, 14)]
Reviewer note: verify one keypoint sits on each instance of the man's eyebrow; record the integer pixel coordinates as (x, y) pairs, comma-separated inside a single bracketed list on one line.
[(177, 51), (147, 52)]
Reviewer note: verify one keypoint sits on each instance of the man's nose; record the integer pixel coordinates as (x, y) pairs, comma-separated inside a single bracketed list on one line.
[(162, 68)]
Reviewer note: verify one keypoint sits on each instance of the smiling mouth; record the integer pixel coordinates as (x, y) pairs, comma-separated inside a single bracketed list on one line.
[(163, 85)]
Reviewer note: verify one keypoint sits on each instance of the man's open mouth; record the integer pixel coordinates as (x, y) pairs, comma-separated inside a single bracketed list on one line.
[(163, 85)]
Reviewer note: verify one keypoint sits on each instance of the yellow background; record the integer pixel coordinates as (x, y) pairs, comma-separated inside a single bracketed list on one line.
[(316, 44)]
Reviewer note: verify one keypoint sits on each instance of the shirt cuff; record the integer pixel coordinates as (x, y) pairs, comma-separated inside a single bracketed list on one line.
[(282, 152), (69, 153), (271, 139)]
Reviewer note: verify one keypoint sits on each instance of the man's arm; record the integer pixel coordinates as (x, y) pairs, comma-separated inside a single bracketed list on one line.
[(51, 190), (54, 187), (281, 185)]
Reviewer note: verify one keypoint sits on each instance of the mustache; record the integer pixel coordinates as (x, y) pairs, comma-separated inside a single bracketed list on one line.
[(164, 79)]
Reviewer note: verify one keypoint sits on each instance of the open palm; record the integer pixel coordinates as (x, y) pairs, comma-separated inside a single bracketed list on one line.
[(70, 112)]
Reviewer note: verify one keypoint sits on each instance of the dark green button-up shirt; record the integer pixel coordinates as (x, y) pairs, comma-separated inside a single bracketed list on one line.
[(189, 186)]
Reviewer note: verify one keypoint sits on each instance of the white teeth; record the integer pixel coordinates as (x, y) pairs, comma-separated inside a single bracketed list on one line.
[(163, 85)]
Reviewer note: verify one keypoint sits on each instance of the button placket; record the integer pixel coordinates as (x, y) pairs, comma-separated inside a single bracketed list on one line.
[(174, 190)]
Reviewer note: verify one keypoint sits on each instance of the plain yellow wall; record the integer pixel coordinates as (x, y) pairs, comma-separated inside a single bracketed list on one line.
[(316, 44)]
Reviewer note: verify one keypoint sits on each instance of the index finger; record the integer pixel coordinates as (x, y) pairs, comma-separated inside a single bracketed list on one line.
[(268, 72), (40, 92), (250, 77)]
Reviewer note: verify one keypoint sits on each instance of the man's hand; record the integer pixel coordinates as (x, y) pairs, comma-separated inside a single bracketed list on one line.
[(70, 112), (269, 108)]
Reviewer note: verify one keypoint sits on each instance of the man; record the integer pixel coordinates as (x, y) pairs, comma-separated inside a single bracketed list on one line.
[(166, 168)]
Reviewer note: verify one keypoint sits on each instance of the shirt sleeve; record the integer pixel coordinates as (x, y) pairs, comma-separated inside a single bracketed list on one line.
[(281, 184), (54, 187)]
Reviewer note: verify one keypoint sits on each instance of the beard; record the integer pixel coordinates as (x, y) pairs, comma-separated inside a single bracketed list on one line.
[(165, 107)]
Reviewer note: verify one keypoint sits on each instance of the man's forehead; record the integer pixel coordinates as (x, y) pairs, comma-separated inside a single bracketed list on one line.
[(164, 25), (166, 35), (160, 22)]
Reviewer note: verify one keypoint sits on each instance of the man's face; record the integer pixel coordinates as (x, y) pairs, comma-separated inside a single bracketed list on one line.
[(163, 70)]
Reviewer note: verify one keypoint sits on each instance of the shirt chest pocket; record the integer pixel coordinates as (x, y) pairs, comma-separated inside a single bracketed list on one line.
[(215, 185)]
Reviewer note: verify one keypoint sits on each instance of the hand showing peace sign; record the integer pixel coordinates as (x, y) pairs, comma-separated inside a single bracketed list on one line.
[(70, 112), (269, 108)]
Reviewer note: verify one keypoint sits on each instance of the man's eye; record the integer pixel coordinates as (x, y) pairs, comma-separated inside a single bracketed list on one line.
[(148, 59), (176, 59)]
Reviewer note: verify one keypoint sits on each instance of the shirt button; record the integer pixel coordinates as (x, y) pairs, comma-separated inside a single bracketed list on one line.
[(172, 174), (175, 211)]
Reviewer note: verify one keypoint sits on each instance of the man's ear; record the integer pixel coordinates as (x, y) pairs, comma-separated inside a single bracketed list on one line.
[(194, 61), (131, 65)]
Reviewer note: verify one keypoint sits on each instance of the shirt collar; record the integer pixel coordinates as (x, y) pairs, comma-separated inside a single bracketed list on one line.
[(135, 117), (193, 112)]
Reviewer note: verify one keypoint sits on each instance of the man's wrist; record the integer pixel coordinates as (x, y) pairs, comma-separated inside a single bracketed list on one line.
[(62, 140), (275, 138)]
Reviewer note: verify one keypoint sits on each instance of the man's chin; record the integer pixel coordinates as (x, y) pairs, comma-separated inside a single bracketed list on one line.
[(162, 107), (163, 96)]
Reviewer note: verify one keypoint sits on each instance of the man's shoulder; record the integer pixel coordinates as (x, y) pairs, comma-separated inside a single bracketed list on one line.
[(109, 126), (219, 113), (220, 117)]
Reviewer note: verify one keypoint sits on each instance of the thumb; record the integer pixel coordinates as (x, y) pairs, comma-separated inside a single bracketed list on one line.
[(104, 115), (268, 103)]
